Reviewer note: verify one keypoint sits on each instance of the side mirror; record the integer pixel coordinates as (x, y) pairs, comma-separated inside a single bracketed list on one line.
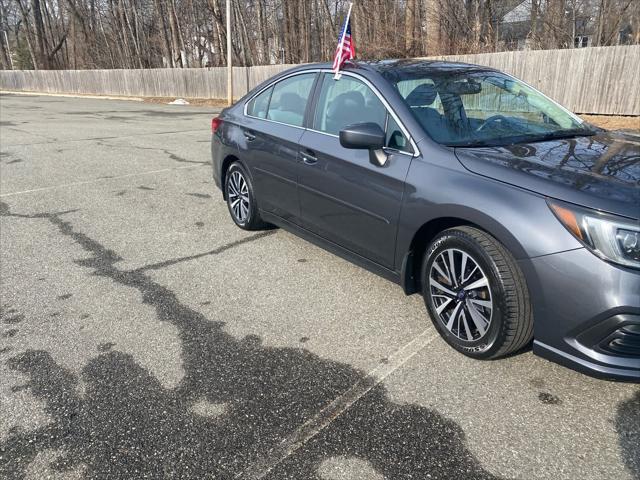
[(362, 135), (366, 136)]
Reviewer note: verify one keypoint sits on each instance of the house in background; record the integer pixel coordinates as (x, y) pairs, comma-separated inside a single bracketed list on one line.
[(577, 25)]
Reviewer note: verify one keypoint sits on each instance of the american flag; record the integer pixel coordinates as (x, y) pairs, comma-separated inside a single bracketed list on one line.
[(346, 48)]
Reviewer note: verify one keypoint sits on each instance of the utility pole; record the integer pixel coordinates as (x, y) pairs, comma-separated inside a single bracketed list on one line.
[(6, 39), (229, 57)]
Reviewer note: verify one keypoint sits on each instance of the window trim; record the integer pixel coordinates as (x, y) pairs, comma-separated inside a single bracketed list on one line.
[(246, 107), (313, 98), (391, 149)]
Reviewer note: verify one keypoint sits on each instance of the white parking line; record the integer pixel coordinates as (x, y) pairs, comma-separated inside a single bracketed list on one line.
[(91, 139), (97, 180), (337, 407), (71, 95)]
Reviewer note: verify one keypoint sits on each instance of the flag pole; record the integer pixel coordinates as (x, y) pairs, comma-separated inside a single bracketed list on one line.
[(344, 32)]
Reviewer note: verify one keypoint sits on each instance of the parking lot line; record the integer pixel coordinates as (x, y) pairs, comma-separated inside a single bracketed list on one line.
[(97, 180), (260, 468), (91, 139)]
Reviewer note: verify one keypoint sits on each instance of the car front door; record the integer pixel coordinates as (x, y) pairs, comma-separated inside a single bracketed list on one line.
[(343, 196), (274, 120)]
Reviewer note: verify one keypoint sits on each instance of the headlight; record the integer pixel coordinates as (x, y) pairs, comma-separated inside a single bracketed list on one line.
[(612, 238)]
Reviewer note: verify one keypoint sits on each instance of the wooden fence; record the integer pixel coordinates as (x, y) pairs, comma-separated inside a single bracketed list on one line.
[(598, 80)]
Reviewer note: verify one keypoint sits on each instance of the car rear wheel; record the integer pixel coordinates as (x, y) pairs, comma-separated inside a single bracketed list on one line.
[(476, 294), (241, 199)]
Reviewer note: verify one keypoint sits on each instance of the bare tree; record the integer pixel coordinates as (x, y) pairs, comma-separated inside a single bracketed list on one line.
[(84, 34)]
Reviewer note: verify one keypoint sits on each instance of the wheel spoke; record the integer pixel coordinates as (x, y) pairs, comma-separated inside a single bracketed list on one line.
[(482, 303), (473, 270), (478, 319), (443, 305), (452, 267), (238, 181), (232, 188), (442, 288), (481, 282), (458, 328), (442, 273), (453, 316), (463, 266), (466, 326)]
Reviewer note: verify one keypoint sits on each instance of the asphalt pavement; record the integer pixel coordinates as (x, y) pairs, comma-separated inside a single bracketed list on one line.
[(143, 335)]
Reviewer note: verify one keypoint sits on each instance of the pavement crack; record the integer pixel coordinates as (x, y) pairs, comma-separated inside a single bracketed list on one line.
[(215, 251), (166, 151)]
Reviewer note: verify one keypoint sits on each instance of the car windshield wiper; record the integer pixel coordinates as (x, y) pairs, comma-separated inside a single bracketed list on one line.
[(524, 138), (477, 143), (490, 142), (558, 134)]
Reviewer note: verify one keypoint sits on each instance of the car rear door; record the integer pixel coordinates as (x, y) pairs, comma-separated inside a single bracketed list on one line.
[(274, 120), (343, 197)]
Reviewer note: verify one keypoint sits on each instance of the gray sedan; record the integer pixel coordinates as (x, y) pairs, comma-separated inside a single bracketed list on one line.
[(516, 221)]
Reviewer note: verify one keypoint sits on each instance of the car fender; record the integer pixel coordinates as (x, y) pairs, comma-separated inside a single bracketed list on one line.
[(521, 220)]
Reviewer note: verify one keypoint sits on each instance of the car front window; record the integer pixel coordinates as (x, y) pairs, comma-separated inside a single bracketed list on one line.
[(484, 108), (349, 101), (346, 102)]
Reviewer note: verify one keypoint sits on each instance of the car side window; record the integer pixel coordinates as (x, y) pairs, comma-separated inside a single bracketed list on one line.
[(258, 106), (348, 101), (396, 139), (345, 102), (289, 99)]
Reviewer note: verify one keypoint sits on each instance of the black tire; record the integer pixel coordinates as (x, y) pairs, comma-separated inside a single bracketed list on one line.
[(248, 218), (505, 299)]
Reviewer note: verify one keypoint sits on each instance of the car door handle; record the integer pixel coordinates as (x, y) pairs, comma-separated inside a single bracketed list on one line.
[(309, 158), (249, 136)]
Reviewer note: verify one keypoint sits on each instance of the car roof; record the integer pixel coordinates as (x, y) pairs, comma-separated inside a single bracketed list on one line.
[(407, 65)]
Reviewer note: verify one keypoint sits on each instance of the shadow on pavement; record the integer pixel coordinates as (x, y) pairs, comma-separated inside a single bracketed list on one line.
[(628, 428), (237, 401)]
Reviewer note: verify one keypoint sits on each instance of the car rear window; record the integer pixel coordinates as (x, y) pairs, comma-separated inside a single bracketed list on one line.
[(289, 99), (258, 106)]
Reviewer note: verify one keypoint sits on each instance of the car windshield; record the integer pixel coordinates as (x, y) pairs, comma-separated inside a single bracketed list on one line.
[(484, 108)]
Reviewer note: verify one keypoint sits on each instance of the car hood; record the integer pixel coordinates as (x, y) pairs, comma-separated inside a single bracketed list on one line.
[(600, 171)]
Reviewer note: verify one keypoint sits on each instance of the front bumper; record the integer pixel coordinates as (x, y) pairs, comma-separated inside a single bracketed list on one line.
[(587, 313)]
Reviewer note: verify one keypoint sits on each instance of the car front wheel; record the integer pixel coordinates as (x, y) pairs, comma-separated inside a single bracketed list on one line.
[(476, 294)]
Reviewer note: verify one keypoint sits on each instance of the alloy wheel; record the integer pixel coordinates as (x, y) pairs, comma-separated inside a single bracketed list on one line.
[(238, 195), (461, 295)]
